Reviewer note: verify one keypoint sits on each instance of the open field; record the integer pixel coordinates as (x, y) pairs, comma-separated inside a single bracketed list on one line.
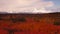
[(30, 23)]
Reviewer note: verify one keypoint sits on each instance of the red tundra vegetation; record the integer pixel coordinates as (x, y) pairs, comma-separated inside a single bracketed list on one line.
[(30, 23)]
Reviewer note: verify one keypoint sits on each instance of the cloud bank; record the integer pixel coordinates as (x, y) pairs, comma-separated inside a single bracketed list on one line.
[(15, 6)]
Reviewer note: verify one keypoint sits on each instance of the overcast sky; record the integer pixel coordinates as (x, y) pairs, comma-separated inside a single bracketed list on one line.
[(29, 6)]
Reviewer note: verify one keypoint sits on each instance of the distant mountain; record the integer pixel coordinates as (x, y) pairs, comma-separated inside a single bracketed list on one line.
[(26, 13)]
